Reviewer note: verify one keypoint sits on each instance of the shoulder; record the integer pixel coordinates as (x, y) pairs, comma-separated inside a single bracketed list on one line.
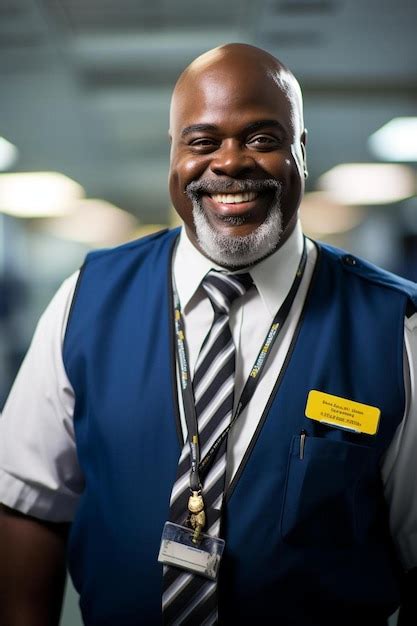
[(114, 275), (52, 323), (366, 271)]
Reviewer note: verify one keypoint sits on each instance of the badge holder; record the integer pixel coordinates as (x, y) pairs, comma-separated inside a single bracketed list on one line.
[(177, 549)]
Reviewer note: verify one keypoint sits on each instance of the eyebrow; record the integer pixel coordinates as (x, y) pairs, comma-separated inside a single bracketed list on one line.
[(264, 123), (194, 128)]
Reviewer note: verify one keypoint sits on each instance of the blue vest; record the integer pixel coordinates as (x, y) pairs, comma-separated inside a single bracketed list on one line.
[(307, 541)]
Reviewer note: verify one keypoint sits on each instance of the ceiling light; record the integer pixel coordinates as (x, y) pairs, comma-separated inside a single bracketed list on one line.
[(8, 154), (368, 183), (38, 194), (320, 215), (396, 141), (94, 222)]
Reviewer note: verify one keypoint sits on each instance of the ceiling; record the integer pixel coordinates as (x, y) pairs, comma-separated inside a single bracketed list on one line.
[(85, 84)]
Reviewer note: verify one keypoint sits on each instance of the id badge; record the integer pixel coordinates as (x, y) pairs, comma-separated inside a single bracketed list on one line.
[(342, 413), (178, 549)]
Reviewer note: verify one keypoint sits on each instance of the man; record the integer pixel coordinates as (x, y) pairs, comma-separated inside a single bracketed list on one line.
[(315, 494)]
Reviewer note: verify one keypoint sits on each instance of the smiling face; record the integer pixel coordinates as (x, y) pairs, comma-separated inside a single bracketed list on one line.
[(236, 176)]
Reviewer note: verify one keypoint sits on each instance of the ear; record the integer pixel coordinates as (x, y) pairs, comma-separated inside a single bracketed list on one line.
[(303, 142)]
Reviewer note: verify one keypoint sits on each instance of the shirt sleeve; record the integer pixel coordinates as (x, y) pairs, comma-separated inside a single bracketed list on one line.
[(39, 470), (399, 469)]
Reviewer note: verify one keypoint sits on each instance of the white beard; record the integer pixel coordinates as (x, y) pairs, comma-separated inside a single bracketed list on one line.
[(238, 251)]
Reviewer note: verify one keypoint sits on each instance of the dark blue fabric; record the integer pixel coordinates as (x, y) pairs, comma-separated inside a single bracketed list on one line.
[(307, 540), (323, 553), (117, 357)]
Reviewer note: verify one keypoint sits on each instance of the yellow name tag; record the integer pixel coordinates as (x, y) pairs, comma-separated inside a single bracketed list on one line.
[(343, 413)]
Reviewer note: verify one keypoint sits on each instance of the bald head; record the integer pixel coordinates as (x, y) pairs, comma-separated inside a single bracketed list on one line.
[(241, 60)]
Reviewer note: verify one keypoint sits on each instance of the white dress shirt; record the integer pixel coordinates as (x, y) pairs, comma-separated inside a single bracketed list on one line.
[(39, 472)]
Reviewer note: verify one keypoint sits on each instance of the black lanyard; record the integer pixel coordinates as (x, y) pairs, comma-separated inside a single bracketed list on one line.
[(200, 467)]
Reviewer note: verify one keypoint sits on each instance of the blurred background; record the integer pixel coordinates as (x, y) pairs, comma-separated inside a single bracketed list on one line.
[(84, 98)]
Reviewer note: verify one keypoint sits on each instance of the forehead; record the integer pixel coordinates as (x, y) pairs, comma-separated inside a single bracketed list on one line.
[(221, 98)]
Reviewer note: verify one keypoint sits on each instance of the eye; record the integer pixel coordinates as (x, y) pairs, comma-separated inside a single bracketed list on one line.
[(203, 144), (264, 142)]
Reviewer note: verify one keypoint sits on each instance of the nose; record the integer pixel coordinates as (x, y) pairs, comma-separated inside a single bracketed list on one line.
[(232, 159)]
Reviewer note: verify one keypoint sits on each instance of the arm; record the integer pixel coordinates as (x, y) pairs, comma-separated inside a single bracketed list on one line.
[(399, 469), (39, 476), (32, 569)]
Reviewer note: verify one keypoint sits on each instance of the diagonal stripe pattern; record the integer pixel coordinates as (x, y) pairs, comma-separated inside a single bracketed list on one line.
[(189, 599)]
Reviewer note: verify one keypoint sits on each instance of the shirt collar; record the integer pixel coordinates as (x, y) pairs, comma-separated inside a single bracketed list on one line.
[(273, 276)]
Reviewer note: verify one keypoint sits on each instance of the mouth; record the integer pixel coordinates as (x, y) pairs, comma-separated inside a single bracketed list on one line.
[(234, 198), (237, 208)]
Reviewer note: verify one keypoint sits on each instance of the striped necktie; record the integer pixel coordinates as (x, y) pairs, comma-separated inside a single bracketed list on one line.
[(189, 599)]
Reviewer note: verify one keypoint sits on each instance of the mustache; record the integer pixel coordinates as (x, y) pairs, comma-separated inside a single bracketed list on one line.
[(208, 186)]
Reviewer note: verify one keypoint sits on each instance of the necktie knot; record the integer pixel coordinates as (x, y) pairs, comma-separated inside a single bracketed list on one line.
[(224, 289)]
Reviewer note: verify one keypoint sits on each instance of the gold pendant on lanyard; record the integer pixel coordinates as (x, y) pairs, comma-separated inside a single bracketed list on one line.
[(198, 516)]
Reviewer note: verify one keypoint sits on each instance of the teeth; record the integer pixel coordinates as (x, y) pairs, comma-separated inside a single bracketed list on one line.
[(234, 198)]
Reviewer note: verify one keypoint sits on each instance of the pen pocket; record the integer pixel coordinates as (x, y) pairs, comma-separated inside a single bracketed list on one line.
[(323, 483)]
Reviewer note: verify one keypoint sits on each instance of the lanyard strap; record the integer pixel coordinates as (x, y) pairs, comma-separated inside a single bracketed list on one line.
[(199, 468)]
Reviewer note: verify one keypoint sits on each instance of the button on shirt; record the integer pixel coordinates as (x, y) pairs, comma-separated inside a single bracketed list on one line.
[(39, 472)]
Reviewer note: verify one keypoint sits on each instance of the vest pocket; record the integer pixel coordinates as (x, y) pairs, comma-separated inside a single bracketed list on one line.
[(326, 482)]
